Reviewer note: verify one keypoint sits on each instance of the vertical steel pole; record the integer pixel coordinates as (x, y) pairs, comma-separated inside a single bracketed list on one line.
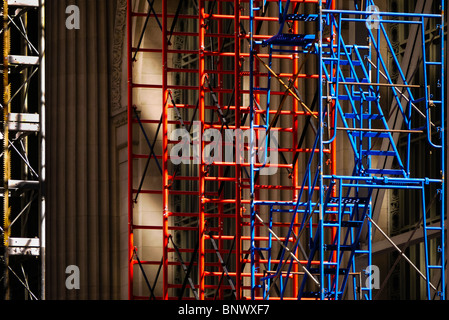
[(201, 167), (6, 153), (333, 147), (165, 182), (42, 145), (238, 208), (251, 147), (130, 151), (443, 156), (320, 165), (294, 174), (220, 169)]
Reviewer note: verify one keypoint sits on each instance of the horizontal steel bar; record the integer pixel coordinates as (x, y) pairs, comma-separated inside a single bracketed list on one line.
[(385, 186), (382, 21), (378, 179), (380, 130), (276, 187), (391, 14), (256, 165), (376, 84)]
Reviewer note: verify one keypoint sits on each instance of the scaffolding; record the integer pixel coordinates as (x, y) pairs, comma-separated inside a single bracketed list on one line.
[(23, 127), (257, 99)]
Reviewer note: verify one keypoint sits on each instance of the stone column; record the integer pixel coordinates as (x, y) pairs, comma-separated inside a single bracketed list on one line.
[(83, 70)]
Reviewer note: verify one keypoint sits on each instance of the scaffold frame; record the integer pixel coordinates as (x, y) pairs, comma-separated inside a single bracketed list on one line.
[(252, 69), (23, 155)]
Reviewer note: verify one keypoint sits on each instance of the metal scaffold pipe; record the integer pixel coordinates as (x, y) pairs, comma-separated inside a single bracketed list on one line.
[(6, 152)]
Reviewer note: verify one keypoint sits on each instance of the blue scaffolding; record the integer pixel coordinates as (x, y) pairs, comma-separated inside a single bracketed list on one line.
[(333, 213)]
